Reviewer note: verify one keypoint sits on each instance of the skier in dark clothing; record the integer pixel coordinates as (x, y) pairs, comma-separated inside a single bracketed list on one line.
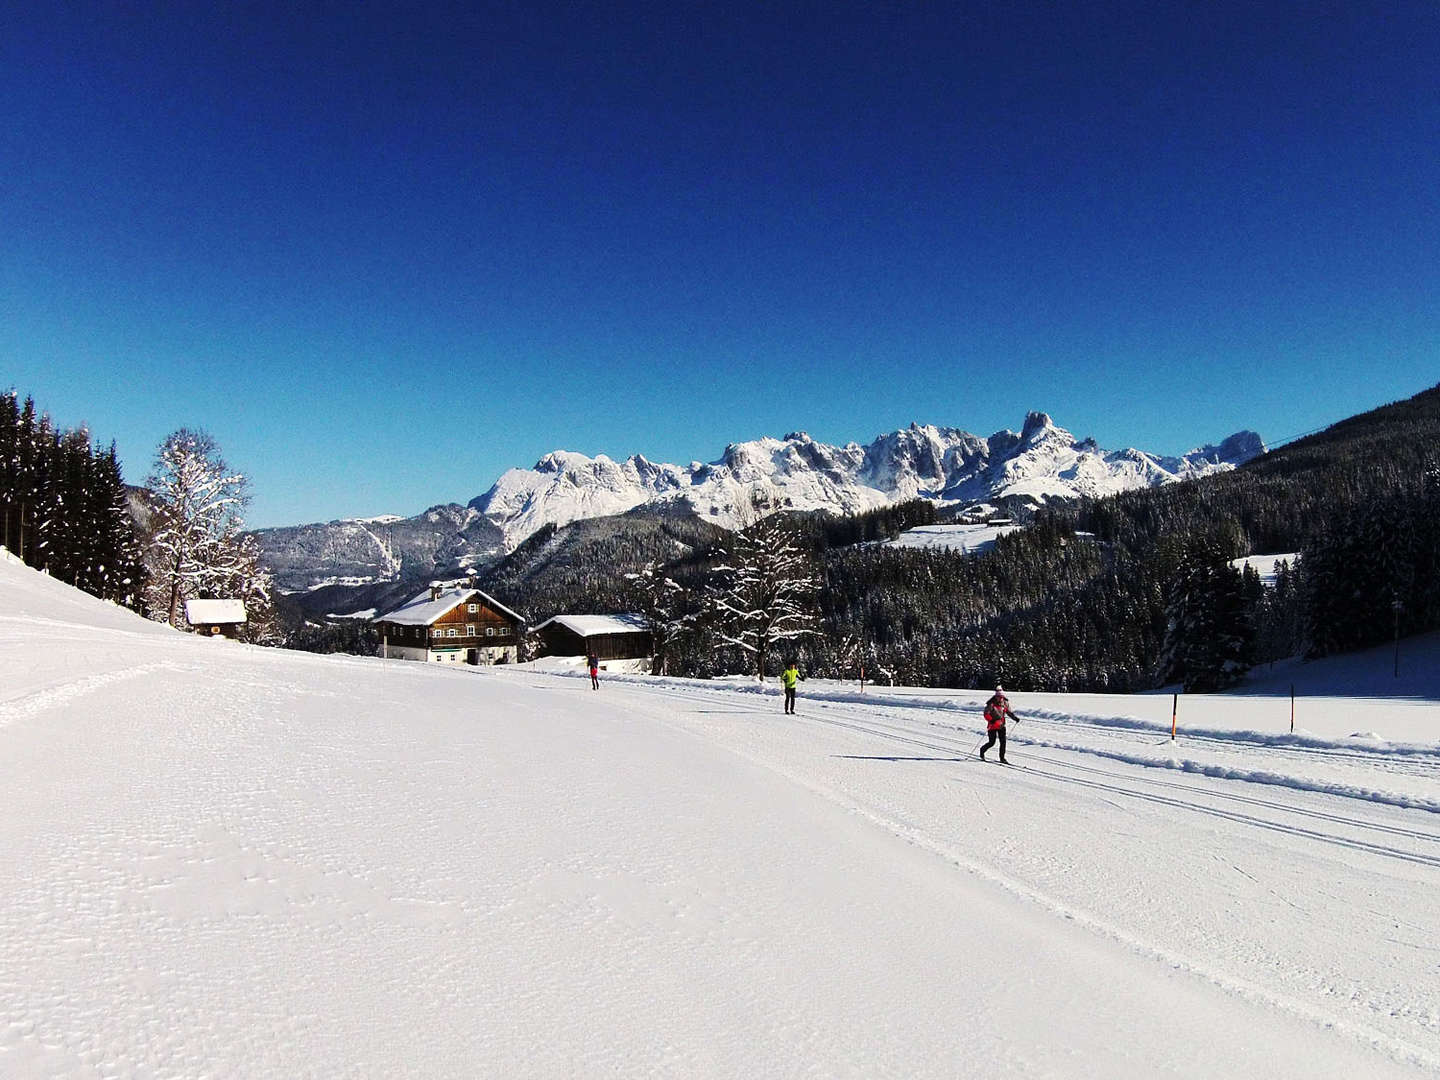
[(996, 710), (594, 662)]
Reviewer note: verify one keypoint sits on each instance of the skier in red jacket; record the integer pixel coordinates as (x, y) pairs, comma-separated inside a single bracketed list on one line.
[(996, 710)]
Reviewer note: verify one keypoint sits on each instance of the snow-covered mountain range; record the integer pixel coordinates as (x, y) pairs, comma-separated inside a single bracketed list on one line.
[(1039, 463)]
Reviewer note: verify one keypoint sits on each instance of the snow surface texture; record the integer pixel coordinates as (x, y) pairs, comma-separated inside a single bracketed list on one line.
[(226, 861), (972, 539), (1041, 462)]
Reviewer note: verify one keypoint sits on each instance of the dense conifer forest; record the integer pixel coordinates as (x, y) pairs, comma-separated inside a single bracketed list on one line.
[(64, 505)]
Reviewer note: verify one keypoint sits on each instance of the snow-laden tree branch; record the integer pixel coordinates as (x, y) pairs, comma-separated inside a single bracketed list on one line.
[(763, 591), (197, 546)]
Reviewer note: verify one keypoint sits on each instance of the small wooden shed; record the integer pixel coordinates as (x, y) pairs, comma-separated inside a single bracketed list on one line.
[(216, 618), (609, 637)]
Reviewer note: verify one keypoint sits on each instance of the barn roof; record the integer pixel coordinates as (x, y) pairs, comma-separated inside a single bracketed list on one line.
[(214, 612), (420, 610), (593, 625)]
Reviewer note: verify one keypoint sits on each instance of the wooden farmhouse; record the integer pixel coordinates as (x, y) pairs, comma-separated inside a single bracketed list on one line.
[(608, 637), (451, 624), (216, 618)]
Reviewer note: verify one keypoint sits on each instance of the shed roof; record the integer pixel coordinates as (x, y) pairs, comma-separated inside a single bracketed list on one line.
[(207, 612), (592, 625), (420, 610)]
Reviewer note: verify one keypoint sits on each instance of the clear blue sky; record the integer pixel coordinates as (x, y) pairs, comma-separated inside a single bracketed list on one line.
[(384, 252)]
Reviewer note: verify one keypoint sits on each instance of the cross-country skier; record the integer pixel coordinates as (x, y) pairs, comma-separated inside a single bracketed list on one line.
[(996, 710), (594, 662), (789, 677)]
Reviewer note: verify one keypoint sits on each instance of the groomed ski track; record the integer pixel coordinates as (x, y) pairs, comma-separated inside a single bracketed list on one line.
[(228, 861), (1123, 805)]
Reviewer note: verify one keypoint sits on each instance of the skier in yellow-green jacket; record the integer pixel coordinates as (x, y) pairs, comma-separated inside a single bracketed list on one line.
[(789, 677)]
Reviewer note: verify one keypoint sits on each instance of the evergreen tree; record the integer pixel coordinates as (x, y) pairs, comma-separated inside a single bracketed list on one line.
[(1208, 638), (9, 469)]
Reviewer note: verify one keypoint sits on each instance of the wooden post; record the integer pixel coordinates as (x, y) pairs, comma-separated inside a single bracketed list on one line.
[(1292, 708), (1174, 713)]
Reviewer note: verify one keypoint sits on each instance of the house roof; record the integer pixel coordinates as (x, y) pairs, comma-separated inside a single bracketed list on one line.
[(593, 625), (199, 612), (423, 611)]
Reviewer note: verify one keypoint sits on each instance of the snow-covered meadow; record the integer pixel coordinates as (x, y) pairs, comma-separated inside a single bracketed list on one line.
[(220, 860)]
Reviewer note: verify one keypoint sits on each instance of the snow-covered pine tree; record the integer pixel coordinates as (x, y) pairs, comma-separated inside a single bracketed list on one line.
[(1208, 641), (763, 590), (120, 573), (33, 492), (9, 466), (196, 548)]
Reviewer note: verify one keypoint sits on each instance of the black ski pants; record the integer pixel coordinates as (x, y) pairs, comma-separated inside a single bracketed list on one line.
[(789, 699), (994, 733)]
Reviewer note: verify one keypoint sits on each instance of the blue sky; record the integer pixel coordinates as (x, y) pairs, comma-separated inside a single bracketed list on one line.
[(384, 252)]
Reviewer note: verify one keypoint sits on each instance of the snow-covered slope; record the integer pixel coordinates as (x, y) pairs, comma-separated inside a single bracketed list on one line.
[(227, 861), (1039, 463)]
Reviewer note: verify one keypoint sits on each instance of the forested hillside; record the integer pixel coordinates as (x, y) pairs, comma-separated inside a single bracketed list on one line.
[(1122, 593), (1134, 590)]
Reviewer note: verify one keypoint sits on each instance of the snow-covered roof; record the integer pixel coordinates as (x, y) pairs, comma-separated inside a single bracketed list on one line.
[(421, 610), (592, 625), (198, 612)]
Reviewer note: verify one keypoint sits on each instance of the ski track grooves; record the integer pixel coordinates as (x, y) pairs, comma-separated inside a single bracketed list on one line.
[(1226, 982), (26, 706), (1199, 807)]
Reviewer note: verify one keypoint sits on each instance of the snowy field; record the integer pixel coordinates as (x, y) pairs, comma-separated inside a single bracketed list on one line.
[(972, 539), (224, 861)]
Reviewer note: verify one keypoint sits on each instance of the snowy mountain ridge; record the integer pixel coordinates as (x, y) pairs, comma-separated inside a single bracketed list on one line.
[(1039, 463), (950, 466)]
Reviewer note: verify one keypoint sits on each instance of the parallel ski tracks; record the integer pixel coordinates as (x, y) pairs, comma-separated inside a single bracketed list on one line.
[(1366, 835), (1143, 788)]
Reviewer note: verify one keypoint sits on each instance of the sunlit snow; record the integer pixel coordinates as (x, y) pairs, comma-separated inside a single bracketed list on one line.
[(219, 860)]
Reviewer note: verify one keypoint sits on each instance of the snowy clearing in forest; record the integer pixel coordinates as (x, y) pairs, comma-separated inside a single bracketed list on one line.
[(229, 861), (971, 539)]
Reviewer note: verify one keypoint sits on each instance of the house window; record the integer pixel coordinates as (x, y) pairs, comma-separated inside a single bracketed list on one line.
[(504, 631), (472, 608), (452, 632), (489, 631), (469, 630)]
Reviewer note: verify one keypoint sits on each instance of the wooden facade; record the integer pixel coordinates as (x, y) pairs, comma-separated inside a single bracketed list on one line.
[(216, 618), (470, 630), (606, 643)]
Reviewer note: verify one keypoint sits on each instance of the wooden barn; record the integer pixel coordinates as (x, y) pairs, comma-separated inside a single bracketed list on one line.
[(451, 624), (609, 637), (216, 618)]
